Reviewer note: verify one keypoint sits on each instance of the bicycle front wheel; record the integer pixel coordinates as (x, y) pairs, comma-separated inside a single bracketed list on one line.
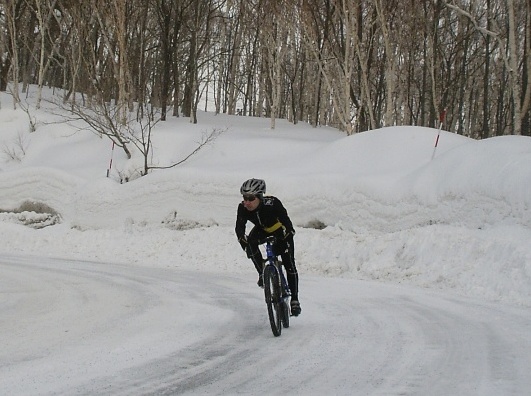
[(273, 300)]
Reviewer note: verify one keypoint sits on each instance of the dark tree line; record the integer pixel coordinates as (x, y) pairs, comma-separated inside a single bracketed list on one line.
[(352, 64)]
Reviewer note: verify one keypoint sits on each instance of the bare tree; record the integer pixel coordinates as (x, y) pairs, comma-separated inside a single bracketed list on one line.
[(166, 14), (5, 45), (273, 42), (508, 53), (45, 12), (13, 12), (104, 119), (335, 57), (354, 65)]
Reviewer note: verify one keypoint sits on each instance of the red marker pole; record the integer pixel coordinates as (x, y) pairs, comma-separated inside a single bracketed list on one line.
[(110, 163), (442, 116)]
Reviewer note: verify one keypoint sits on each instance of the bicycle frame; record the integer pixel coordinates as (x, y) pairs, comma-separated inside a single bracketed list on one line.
[(273, 261)]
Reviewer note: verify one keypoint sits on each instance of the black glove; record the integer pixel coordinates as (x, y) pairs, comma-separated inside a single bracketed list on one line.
[(289, 233), (243, 243)]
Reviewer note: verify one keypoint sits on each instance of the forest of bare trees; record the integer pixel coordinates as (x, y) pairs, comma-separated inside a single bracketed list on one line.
[(351, 64)]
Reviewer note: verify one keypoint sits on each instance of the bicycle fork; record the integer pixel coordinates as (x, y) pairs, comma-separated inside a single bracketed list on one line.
[(286, 293)]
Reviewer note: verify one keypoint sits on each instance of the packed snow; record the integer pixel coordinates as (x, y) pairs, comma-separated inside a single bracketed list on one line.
[(414, 260)]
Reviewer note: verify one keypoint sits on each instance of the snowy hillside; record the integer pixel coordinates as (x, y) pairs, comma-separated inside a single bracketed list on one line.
[(459, 221)]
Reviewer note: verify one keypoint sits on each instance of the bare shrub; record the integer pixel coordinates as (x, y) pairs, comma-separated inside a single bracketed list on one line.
[(16, 151)]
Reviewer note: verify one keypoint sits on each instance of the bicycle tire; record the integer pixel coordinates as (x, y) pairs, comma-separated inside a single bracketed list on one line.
[(284, 303), (273, 301), (285, 313)]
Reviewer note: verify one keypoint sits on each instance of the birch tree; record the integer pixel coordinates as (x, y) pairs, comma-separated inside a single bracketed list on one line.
[(273, 41), (335, 58), (13, 11), (390, 62)]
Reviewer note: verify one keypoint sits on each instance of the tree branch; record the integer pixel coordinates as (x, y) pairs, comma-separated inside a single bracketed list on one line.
[(213, 135)]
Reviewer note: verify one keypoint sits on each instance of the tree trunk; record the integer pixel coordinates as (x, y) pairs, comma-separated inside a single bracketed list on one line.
[(513, 71)]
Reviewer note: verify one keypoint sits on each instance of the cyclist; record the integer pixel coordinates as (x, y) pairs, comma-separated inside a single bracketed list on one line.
[(269, 217)]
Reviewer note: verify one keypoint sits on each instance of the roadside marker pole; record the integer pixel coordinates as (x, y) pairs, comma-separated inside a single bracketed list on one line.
[(441, 121), (110, 163)]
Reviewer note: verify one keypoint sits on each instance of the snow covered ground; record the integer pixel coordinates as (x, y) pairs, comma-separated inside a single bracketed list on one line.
[(420, 282)]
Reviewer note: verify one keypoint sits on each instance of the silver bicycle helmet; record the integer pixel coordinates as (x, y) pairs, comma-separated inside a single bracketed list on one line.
[(253, 187)]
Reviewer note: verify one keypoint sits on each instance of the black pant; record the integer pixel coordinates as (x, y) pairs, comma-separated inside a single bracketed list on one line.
[(283, 247)]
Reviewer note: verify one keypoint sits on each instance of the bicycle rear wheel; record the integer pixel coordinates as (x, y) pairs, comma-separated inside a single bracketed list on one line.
[(284, 301), (285, 313), (273, 301)]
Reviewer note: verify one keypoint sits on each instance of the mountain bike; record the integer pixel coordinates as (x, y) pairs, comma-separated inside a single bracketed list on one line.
[(276, 289)]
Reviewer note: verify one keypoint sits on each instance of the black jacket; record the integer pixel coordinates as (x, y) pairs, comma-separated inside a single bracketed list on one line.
[(269, 213)]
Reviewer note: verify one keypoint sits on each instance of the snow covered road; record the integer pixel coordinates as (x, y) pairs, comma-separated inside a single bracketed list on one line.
[(74, 327)]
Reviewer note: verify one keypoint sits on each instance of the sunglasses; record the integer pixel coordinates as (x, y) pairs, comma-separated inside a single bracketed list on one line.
[(249, 198)]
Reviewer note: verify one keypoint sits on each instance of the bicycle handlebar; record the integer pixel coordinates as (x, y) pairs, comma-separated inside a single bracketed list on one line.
[(270, 238)]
